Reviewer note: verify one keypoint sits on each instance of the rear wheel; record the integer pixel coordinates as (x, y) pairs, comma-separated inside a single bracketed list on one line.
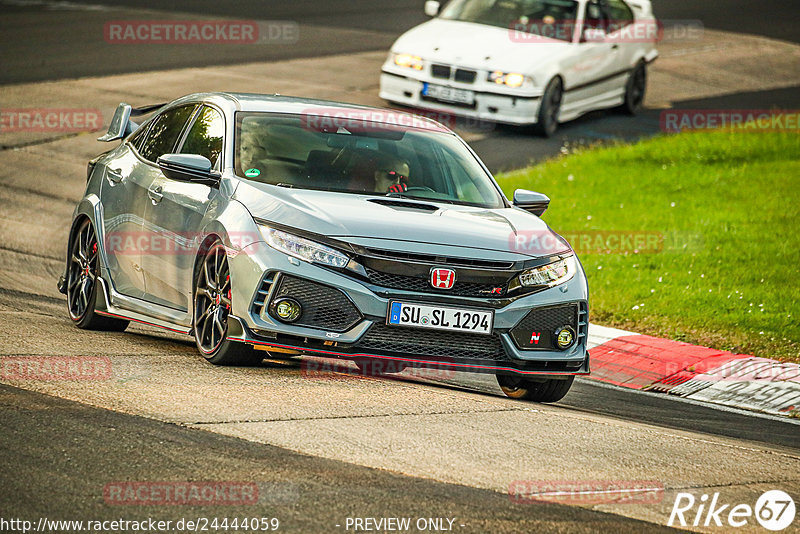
[(212, 305), (548, 390), (635, 90), (83, 272), (550, 108)]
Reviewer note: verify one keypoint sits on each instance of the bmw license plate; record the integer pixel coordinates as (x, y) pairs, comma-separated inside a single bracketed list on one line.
[(448, 94), (434, 317)]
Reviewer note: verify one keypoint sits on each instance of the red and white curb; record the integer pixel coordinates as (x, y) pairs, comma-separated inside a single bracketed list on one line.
[(648, 363)]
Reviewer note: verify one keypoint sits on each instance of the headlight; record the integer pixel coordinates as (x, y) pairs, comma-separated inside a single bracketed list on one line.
[(511, 79), (408, 61), (304, 249), (551, 274)]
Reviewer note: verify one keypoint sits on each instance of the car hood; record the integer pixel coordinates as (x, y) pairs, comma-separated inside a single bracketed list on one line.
[(477, 46), (359, 219)]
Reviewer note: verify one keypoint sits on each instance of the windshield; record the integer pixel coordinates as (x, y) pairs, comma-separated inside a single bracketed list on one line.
[(360, 157), (548, 18)]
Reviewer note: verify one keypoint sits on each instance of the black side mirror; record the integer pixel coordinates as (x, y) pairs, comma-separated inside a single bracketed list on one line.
[(531, 201), (188, 168)]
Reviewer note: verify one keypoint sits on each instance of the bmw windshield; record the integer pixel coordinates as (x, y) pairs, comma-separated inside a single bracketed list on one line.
[(362, 157), (549, 18)]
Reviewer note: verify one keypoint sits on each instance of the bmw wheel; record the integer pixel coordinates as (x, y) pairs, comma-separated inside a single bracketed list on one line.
[(548, 390), (81, 281), (635, 90), (550, 108), (212, 305)]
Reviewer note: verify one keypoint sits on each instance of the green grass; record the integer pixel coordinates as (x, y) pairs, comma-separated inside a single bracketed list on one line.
[(728, 207)]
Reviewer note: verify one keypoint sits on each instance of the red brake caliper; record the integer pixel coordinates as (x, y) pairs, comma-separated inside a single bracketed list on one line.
[(228, 280)]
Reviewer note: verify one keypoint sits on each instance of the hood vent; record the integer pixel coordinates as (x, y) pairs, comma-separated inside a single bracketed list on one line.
[(402, 204)]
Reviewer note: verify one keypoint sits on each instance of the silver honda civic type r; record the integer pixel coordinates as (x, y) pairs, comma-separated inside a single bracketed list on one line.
[(299, 226)]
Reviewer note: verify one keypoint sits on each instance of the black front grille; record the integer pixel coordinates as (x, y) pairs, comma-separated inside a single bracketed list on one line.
[(440, 71), (431, 343), (423, 285), (441, 260), (542, 323), (324, 307), (465, 76)]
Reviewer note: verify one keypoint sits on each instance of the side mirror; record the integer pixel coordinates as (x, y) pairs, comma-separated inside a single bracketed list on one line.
[(593, 35), (531, 201), (121, 124), (432, 8), (188, 168)]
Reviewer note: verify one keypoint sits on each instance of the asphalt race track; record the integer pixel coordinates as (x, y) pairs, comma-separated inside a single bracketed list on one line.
[(322, 448)]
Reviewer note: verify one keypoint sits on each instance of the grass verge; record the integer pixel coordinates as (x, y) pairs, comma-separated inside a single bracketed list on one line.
[(725, 207)]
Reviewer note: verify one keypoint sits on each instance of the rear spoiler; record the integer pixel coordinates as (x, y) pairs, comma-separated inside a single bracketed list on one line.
[(122, 125)]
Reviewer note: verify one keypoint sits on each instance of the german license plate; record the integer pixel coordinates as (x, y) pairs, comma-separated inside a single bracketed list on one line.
[(436, 317), (448, 94)]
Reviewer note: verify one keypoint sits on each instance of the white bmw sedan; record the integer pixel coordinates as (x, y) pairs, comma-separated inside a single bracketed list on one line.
[(524, 62)]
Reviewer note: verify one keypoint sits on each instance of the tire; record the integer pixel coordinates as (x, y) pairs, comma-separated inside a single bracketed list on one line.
[(547, 119), (212, 305), (83, 271), (635, 90), (549, 390)]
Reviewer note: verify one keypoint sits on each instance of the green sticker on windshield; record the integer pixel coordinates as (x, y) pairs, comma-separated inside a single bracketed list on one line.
[(252, 173)]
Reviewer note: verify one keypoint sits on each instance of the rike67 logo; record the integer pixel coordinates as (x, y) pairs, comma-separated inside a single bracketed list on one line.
[(774, 510)]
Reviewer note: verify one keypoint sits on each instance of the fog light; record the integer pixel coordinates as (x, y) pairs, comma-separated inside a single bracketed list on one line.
[(565, 337), (287, 310)]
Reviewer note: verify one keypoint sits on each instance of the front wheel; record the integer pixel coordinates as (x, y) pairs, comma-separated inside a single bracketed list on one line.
[(550, 108), (83, 272), (635, 90), (548, 390), (212, 305)]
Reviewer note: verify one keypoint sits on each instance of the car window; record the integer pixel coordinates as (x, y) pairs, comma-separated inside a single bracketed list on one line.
[(548, 18), (164, 132), (618, 14), (360, 156), (205, 136)]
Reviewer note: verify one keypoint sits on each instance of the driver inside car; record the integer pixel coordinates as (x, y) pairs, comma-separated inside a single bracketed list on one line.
[(391, 175)]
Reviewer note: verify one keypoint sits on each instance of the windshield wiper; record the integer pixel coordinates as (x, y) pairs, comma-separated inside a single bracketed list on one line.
[(413, 197)]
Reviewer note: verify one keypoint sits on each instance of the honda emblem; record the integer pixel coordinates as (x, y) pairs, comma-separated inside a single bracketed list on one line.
[(443, 278)]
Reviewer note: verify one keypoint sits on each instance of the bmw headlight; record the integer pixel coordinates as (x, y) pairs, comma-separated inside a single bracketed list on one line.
[(304, 249), (550, 275), (408, 60), (511, 79)]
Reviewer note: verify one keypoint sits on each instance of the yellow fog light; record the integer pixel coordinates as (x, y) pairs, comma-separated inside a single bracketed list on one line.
[(287, 310), (565, 337)]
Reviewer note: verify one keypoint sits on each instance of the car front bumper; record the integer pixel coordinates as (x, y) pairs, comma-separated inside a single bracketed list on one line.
[(358, 329), (489, 106)]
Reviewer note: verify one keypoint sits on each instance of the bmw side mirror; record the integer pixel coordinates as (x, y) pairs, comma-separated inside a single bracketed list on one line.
[(188, 168), (531, 201), (432, 8)]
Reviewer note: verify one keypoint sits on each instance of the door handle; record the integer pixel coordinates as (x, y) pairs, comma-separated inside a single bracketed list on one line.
[(614, 47), (114, 176), (155, 194)]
